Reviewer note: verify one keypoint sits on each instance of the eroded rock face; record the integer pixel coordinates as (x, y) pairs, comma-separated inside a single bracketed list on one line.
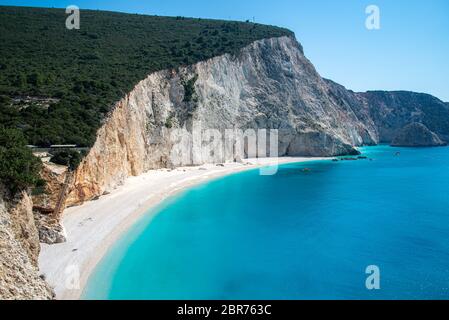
[(19, 250), (269, 85), (388, 113), (49, 228), (54, 176), (319, 144), (394, 110), (23, 226), (417, 135)]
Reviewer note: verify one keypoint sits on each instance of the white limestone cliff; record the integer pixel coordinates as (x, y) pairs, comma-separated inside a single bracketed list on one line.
[(270, 84)]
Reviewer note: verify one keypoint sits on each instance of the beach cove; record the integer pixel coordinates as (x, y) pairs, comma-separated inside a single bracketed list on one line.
[(96, 225), (309, 232)]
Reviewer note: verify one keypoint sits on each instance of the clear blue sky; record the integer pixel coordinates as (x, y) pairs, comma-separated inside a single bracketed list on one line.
[(409, 52)]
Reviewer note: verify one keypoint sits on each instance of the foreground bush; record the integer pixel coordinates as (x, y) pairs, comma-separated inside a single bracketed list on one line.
[(19, 169)]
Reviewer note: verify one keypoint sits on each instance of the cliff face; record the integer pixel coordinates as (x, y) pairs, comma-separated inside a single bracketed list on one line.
[(392, 111), (355, 103), (19, 250), (417, 135), (269, 85), (388, 114)]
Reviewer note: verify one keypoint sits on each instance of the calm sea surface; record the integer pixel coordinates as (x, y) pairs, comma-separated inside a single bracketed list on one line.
[(294, 235)]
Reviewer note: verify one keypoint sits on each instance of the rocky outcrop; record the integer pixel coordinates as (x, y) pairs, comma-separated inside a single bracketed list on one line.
[(269, 84), (319, 144), (23, 226), (54, 176), (392, 111), (387, 113), (19, 250), (49, 228), (417, 135)]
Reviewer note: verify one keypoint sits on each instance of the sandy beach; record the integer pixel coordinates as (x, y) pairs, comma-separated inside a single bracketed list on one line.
[(93, 227)]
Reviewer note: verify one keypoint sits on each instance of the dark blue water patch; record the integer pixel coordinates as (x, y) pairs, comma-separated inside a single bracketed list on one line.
[(300, 234)]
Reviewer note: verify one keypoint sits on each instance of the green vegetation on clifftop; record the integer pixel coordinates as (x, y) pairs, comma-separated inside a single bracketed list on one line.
[(86, 71)]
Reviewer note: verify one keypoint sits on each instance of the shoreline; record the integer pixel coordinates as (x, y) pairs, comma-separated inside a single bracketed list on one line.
[(95, 226)]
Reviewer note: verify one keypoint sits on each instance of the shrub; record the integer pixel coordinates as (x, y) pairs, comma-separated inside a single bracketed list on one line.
[(19, 169), (69, 158), (189, 89)]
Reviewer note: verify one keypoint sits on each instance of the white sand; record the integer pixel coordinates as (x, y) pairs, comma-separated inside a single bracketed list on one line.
[(93, 227)]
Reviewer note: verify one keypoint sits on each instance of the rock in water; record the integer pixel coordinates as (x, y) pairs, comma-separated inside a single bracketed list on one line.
[(417, 135)]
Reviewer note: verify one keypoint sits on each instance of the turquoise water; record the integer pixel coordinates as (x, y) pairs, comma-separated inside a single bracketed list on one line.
[(294, 235)]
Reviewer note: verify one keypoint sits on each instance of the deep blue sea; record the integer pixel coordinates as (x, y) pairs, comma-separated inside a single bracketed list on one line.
[(294, 235)]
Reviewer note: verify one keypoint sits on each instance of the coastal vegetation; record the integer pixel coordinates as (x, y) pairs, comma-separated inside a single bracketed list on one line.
[(86, 71), (58, 85), (19, 169), (69, 158), (189, 89)]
